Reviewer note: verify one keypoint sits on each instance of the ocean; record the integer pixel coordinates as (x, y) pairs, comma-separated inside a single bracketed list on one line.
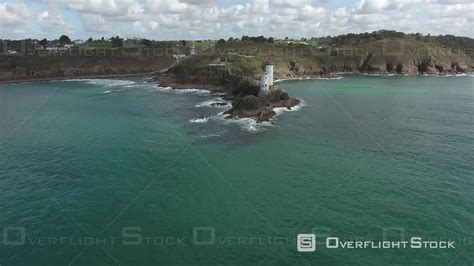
[(122, 172)]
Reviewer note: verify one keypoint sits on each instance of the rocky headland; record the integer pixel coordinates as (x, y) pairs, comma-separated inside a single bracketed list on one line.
[(234, 68), (244, 92)]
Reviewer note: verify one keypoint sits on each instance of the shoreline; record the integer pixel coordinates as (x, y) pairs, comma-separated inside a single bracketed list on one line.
[(217, 88), (39, 80), (338, 76)]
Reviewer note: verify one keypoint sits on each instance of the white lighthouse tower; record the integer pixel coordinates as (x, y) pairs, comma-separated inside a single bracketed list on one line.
[(269, 70), (265, 83), (267, 78)]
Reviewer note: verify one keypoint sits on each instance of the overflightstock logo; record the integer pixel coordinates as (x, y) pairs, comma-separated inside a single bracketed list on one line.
[(306, 243)]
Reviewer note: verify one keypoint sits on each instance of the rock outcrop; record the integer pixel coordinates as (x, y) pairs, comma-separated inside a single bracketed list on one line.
[(244, 92), (261, 107)]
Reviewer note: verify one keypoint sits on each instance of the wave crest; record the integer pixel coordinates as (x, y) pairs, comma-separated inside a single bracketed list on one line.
[(215, 103), (105, 82), (171, 89), (248, 124)]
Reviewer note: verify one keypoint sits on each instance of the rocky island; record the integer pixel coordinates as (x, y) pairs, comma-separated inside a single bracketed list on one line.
[(250, 98), (261, 107)]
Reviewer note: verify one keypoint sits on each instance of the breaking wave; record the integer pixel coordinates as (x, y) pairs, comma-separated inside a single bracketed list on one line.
[(451, 76), (200, 120), (336, 78), (105, 82), (170, 89), (281, 110), (247, 124), (216, 103), (309, 78), (380, 74)]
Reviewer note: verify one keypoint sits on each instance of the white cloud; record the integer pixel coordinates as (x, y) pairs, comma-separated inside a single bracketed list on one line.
[(15, 20), (54, 20), (372, 6), (179, 19), (309, 13), (454, 10), (101, 7), (450, 2), (12, 14), (94, 23)]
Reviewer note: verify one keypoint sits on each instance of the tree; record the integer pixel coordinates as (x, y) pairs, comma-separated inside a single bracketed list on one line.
[(43, 42), (259, 39), (116, 41), (64, 39), (221, 41), (90, 39), (271, 40), (146, 42)]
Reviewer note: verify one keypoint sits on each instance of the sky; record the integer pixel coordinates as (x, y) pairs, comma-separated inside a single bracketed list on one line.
[(215, 19)]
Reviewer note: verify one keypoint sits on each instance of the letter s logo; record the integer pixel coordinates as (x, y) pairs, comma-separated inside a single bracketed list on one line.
[(306, 243)]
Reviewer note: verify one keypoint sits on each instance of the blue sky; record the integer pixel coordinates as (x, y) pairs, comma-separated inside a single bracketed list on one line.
[(202, 19)]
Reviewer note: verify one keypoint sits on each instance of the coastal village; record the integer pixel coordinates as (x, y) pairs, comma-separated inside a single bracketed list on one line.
[(65, 44)]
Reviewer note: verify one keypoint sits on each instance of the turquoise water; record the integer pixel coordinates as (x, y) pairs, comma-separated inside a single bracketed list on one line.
[(114, 172)]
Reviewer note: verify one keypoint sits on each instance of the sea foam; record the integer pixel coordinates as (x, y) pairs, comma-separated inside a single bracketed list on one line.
[(281, 110), (199, 120), (105, 82), (171, 89), (216, 103), (245, 124), (309, 78)]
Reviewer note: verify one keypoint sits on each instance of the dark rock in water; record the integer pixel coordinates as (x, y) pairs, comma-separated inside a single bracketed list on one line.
[(261, 107), (150, 80), (266, 115), (218, 104), (284, 96)]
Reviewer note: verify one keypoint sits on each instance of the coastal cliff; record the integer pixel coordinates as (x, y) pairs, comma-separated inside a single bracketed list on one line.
[(380, 52), (387, 56), (235, 67), (80, 63)]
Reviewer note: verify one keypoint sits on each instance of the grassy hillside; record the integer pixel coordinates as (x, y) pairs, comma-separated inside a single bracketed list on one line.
[(378, 52), (390, 55), (75, 63), (96, 58)]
